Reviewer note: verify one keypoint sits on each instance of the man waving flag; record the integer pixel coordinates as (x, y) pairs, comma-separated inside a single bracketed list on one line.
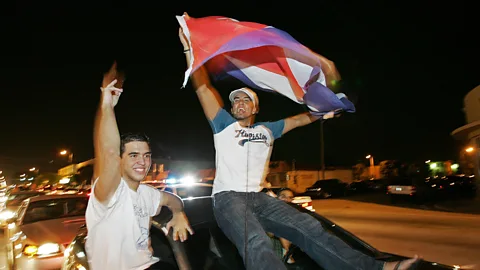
[(264, 58)]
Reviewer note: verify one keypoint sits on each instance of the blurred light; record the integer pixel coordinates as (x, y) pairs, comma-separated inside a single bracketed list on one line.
[(32, 169), (30, 179), (433, 165), (187, 179), (7, 215), (469, 149), (454, 166), (22, 175), (171, 181), (48, 248), (428, 161), (368, 156), (63, 152), (65, 180)]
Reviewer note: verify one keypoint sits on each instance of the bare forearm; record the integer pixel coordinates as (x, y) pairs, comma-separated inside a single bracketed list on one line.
[(106, 135), (207, 94), (173, 202), (304, 119), (299, 121), (107, 152), (200, 77)]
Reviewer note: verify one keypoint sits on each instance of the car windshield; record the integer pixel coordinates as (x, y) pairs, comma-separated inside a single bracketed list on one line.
[(55, 208), (17, 199)]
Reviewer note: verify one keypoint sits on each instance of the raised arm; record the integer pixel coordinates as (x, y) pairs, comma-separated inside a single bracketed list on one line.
[(332, 76), (107, 140), (209, 98)]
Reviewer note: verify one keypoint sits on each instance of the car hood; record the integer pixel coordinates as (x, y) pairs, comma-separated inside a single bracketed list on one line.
[(61, 231)]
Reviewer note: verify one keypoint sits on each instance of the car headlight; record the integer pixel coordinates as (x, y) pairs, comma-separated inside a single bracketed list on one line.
[(6, 215), (45, 249)]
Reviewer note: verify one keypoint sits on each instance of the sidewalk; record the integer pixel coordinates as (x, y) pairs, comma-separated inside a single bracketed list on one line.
[(468, 206)]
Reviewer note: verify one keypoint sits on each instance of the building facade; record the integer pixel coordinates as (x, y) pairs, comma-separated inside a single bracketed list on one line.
[(469, 135)]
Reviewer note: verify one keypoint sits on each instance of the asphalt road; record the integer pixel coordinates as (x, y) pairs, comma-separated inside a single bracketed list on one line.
[(443, 237)]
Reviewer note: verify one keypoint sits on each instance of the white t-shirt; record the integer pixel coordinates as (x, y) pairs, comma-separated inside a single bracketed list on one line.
[(118, 232), (242, 154)]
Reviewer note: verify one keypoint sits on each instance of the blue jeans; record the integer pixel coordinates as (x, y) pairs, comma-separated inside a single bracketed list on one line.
[(264, 213)]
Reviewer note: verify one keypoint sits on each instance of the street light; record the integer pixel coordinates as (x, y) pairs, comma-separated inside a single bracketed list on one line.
[(70, 156), (469, 149), (372, 165), (32, 169)]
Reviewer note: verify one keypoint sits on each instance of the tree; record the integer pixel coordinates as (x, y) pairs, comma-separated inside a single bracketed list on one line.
[(358, 170), (389, 168)]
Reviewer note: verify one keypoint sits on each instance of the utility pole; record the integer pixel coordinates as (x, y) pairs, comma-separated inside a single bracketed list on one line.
[(322, 151)]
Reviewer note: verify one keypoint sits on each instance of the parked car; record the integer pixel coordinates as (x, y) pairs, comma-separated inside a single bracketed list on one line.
[(303, 201), (327, 188), (414, 188), (209, 249), (42, 228)]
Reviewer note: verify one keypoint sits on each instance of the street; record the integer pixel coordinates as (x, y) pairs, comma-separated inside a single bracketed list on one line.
[(449, 238)]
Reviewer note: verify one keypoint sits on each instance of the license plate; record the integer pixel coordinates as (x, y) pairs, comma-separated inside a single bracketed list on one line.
[(398, 188)]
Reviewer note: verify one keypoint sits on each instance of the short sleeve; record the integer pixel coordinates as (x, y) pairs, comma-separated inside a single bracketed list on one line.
[(275, 127), (222, 120), (155, 197), (97, 210)]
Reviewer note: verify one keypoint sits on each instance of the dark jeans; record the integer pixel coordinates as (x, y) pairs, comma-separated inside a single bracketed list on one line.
[(265, 213)]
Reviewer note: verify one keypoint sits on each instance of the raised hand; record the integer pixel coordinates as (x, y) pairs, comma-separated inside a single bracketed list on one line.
[(111, 86)]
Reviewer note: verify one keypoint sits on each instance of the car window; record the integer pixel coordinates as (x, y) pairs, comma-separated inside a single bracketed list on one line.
[(55, 208)]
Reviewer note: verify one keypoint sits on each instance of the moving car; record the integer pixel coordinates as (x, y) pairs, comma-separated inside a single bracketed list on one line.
[(42, 228), (13, 202)]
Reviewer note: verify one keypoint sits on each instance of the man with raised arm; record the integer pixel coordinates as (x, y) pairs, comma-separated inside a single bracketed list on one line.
[(120, 207), (244, 214)]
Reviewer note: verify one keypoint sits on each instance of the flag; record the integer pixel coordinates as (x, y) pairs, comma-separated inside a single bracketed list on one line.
[(263, 58)]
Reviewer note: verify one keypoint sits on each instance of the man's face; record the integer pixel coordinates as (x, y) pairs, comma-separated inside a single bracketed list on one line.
[(136, 161), (242, 106), (286, 196)]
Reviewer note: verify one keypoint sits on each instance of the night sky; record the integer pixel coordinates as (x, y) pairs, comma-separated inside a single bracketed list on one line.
[(407, 67)]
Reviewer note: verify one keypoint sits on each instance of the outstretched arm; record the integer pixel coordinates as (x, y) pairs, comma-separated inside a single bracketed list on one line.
[(299, 121), (207, 94), (107, 140)]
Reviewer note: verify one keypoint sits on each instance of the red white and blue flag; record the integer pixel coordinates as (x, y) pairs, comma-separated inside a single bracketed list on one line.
[(263, 58)]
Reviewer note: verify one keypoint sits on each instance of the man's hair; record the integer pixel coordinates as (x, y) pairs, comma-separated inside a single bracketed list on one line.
[(132, 137), (284, 189)]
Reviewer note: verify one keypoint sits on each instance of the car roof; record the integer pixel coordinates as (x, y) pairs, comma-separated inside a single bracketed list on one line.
[(50, 197)]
